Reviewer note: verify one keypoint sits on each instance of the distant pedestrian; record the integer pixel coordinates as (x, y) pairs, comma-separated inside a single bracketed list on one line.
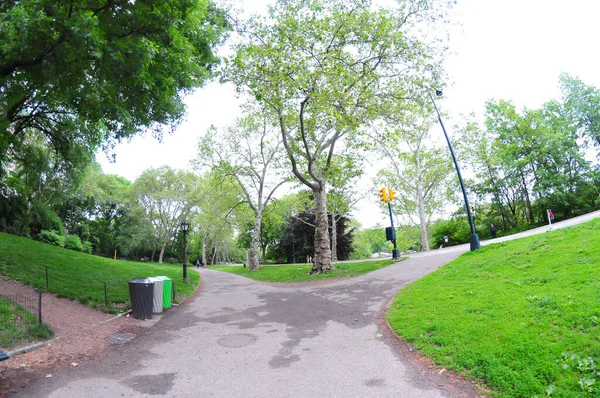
[(493, 229), (244, 264), (445, 241), (550, 217), (198, 262)]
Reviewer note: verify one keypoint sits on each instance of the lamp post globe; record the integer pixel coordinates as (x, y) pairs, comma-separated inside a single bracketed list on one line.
[(474, 238), (184, 227)]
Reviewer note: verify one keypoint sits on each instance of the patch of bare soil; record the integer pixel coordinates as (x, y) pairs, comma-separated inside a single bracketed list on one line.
[(79, 335)]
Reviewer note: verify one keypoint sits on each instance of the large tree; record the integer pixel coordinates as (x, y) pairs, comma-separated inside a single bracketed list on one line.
[(322, 69), (250, 152), (582, 103), (94, 71), (167, 196), (419, 172)]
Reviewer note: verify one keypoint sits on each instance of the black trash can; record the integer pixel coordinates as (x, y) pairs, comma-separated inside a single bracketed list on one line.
[(141, 293)]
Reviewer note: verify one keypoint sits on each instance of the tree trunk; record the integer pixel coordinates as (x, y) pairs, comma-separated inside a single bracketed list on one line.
[(214, 257), (264, 253), (162, 252), (322, 257), (253, 258), (154, 249), (531, 220), (333, 238), (204, 249)]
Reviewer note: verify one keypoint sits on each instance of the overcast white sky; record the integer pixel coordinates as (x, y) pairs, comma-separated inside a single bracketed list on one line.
[(505, 49)]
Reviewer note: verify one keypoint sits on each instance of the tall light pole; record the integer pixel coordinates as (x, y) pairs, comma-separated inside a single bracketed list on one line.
[(184, 227), (293, 249), (475, 245)]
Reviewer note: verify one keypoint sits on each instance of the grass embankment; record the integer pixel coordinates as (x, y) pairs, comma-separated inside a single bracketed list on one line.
[(521, 316), (300, 272), (80, 276)]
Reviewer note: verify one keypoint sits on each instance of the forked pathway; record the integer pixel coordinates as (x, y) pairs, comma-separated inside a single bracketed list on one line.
[(242, 338)]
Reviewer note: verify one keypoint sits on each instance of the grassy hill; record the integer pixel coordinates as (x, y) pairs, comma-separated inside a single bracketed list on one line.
[(81, 276), (521, 316)]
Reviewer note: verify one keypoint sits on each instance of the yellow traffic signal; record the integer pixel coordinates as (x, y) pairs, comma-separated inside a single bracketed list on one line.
[(383, 195), (392, 194)]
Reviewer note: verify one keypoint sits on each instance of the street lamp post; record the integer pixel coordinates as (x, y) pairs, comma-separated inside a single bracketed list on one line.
[(184, 226), (475, 245), (293, 249)]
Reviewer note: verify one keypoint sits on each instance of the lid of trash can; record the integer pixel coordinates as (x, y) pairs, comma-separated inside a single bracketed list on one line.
[(144, 281), (163, 278)]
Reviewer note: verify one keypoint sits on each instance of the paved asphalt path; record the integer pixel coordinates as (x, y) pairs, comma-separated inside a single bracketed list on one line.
[(242, 338)]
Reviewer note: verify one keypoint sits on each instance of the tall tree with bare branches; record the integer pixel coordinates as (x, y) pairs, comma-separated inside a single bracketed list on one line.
[(250, 152), (322, 69)]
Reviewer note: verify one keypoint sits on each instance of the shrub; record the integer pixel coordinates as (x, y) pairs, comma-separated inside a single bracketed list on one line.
[(52, 237), (87, 247), (74, 243), (44, 218)]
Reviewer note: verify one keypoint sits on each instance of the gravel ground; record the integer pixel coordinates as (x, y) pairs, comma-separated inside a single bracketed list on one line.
[(79, 335)]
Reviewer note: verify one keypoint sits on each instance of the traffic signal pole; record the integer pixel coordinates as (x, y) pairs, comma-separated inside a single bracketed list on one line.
[(387, 195), (395, 252)]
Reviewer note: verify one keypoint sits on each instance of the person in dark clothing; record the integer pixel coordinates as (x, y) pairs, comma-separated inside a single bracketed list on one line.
[(493, 229)]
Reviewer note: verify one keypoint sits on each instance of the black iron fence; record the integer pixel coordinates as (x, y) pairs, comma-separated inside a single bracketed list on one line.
[(110, 295), (22, 304), (21, 317)]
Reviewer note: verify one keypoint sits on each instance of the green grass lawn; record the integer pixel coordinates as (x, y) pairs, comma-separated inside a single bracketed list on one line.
[(81, 276), (300, 272), (523, 316)]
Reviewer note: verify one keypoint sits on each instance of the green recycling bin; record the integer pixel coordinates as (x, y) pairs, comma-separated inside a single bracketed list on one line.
[(167, 291)]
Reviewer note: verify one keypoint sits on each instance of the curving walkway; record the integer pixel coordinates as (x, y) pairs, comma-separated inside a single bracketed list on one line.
[(242, 338)]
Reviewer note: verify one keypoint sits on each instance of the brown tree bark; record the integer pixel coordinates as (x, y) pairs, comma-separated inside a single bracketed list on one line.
[(253, 257), (333, 238), (322, 258)]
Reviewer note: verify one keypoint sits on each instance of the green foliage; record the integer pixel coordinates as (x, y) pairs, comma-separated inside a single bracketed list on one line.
[(301, 272), (80, 276), (582, 102), (507, 313), (73, 242), (321, 70), (167, 197), (456, 229), (418, 171), (370, 241), (298, 237), (52, 237), (87, 247), (531, 160), (84, 73), (43, 218)]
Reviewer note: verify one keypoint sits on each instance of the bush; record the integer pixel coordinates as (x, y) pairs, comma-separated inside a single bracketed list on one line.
[(44, 218), (74, 243), (52, 237), (87, 247)]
